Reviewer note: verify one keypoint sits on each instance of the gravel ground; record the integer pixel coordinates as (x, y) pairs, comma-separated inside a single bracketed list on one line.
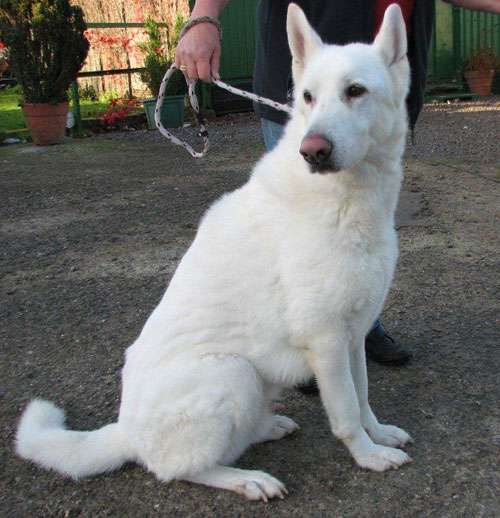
[(462, 131), (92, 231)]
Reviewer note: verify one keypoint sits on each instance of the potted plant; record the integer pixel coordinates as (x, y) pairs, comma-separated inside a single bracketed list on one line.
[(479, 69), (159, 55), (47, 48)]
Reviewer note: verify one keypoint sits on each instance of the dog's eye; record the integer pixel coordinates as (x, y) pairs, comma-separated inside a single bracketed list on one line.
[(355, 91), (307, 96)]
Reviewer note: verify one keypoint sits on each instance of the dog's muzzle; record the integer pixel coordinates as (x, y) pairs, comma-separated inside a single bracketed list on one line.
[(317, 152)]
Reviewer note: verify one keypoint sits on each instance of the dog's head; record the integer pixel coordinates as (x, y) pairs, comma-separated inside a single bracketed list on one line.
[(349, 97)]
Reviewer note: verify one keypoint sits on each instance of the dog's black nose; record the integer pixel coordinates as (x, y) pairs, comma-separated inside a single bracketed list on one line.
[(315, 149)]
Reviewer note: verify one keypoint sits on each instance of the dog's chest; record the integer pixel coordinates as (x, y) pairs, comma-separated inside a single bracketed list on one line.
[(325, 285), (331, 272)]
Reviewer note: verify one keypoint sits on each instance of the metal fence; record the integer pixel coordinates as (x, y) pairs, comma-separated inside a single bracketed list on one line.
[(101, 73), (457, 34)]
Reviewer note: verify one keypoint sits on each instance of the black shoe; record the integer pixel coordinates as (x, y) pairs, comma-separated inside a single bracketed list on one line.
[(379, 346)]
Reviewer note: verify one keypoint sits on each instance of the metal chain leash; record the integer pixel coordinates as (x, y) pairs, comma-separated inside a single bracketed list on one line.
[(203, 131)]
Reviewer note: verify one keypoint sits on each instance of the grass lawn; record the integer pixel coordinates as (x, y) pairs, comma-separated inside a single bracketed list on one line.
[(12, 118)]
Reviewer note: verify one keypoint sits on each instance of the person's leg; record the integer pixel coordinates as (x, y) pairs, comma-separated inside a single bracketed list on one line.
[(272, 132)]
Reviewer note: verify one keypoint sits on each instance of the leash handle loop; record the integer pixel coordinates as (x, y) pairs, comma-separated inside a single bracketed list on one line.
[(203, 131), (194, 103)]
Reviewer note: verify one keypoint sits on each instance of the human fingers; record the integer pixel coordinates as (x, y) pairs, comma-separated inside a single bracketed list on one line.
[(214, 63), (195, 50), (191, 71), (203, 69), (185, 63)]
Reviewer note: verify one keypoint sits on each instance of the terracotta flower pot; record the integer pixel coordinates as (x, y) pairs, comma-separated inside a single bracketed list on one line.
[(46, 122), (479, 81)]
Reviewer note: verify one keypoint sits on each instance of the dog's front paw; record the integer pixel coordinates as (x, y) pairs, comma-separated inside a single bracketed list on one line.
[(258, 485), (379, 458), (388, 435)]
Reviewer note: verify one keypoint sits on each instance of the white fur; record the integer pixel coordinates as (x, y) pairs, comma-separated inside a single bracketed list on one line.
[(283, 280)]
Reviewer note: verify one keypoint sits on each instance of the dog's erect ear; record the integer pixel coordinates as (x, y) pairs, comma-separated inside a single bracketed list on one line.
[(302, 39), (391, 38)]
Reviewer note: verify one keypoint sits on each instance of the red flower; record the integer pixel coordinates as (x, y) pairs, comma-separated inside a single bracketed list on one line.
[(122, 112)]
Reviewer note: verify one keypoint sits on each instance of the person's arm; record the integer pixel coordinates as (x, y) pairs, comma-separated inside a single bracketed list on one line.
[(199, 49), (488, 6)]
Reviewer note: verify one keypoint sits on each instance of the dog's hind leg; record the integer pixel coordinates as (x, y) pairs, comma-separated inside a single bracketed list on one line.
[(276, 427), (273, 427), (198, 415), (253, 484), (386, 435), (262, 426)]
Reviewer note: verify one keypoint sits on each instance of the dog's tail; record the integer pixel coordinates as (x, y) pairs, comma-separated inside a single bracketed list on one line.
[(43, 439)]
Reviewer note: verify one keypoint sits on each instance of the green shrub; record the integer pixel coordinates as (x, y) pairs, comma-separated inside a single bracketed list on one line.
[(482, 59), (47, 46), (105, 97), (159, 52), (85, 93), (88, 93)]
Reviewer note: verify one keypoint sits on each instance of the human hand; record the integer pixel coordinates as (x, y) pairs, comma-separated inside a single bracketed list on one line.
[(199, 51)]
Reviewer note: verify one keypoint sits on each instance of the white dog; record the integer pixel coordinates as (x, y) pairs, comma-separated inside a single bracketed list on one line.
[(283, 280)]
